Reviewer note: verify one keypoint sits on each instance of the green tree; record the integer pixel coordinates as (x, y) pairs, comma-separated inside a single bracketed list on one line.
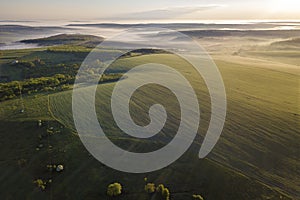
[(114, 189), (160, 188), (40, 183), (165, 194), (150, 188)]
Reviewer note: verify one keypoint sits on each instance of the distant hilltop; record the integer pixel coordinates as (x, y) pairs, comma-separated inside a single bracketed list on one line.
[(64, 39)]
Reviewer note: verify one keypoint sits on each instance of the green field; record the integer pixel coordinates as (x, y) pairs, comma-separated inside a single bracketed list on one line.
[(257, 156)]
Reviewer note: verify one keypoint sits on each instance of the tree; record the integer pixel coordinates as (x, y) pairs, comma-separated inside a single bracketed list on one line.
[(114, 189), (40, 183), (160, 188), (165, 194), (150, 188)]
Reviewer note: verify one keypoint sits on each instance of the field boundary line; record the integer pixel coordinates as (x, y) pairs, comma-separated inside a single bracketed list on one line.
[(53, 116)]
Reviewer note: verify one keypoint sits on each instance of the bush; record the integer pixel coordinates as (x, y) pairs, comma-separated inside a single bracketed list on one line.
[(150, 188), (114, 189), (40, 183), (165, 194), (27, 64), (160, 188)]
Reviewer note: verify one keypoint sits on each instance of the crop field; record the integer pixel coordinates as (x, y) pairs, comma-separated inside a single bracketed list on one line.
[(257, 156), (261, 129)]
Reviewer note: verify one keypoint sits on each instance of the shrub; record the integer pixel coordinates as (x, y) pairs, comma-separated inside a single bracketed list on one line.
[(150, 188), (160, 188), (114, 189), (165, 194), (40, 183)]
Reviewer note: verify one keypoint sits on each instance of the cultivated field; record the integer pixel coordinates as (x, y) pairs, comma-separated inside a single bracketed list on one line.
[(257, 156)]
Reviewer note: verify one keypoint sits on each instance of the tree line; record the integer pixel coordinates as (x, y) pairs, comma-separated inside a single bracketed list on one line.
[(58, 82), (44, 84), (160, 192)]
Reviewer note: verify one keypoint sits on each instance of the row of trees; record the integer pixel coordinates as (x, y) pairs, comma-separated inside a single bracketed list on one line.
[(57, 82), (16, 88), (38, 68), (155, 193), (29, 64), (160, 192)]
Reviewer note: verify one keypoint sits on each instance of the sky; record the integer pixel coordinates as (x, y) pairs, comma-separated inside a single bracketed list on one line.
[(151, 10)]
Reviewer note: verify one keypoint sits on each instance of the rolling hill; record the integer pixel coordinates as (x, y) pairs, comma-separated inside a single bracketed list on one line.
[(256, 157), (66, 39)]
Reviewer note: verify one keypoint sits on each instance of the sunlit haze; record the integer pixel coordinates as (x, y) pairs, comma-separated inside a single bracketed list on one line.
[(135, 10)]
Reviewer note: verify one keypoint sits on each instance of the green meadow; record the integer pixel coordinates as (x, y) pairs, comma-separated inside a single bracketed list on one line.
[(257, 156)]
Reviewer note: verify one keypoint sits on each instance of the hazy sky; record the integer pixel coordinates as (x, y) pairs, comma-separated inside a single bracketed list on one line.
[(147, 10)]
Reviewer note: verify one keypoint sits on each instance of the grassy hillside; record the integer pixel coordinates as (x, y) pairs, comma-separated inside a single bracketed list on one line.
[(256, 157), (260, 136), (86, 178)]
